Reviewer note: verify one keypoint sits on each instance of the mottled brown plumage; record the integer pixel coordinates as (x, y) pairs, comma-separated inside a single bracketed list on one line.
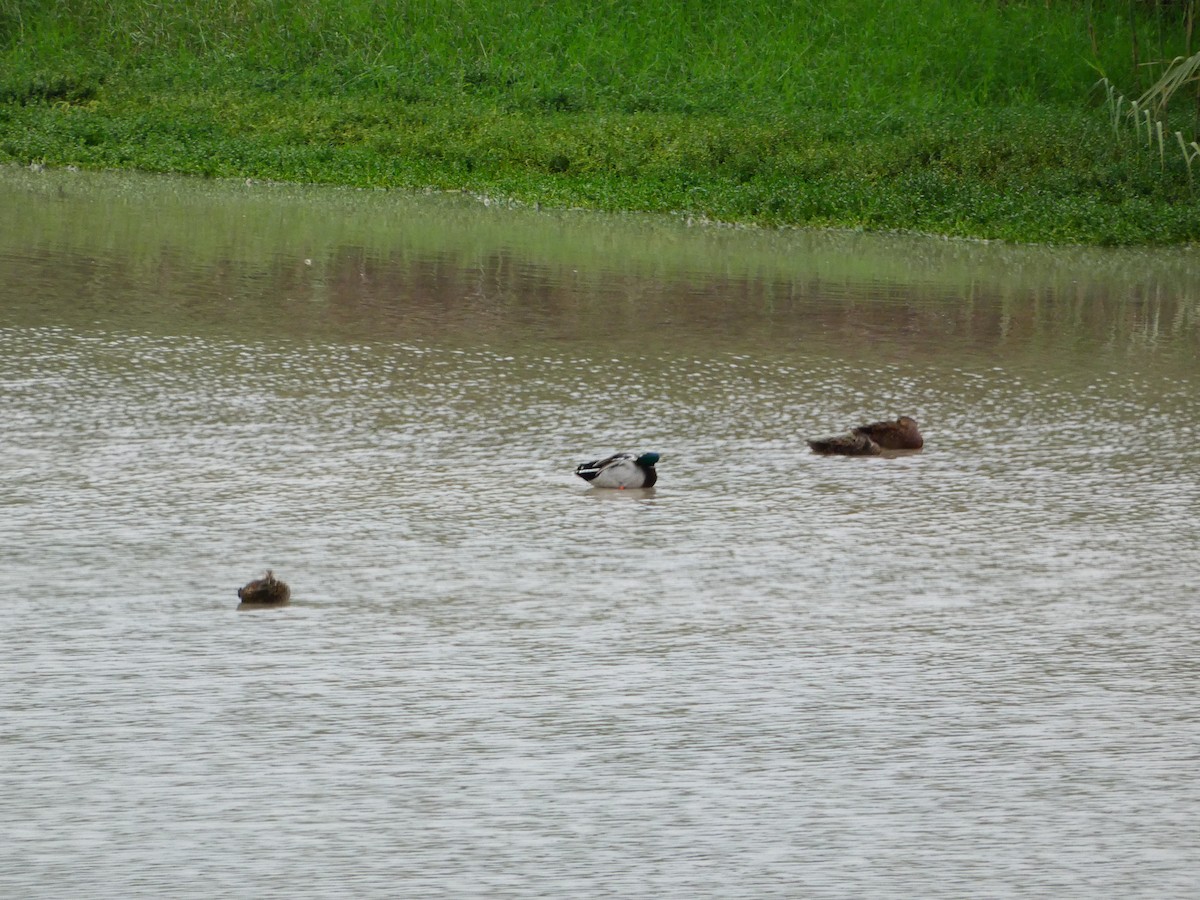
[(265, 591), (899, 435), (873, 439), (846, 445)]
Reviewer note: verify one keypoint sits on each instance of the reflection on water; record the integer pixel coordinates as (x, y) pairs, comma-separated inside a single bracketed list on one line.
[(965, 671)]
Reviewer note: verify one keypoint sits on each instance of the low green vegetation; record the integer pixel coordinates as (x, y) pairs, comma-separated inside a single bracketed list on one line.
[(978, 118)]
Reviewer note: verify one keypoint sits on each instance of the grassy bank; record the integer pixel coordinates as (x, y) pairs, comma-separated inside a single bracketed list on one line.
[(965, 118)]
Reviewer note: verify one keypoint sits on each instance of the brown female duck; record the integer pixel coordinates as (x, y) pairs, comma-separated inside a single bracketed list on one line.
[(899, 435), (265, 591), (873, 439), (854, 444)]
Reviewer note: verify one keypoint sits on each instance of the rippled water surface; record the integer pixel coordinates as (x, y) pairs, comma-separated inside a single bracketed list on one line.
[(972, 671)]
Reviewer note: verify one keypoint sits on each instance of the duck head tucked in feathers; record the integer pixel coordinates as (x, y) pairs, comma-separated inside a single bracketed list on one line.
[(621, 470), (872, 439), (899, 435), (264, 591)]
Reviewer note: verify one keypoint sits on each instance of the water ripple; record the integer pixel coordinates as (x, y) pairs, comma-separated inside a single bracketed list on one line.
[(966, 672)]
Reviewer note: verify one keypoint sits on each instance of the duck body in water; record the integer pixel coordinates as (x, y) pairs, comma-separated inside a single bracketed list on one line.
[(265, 591), (872, 439), (621, 470), (902, 434), (846, 445)]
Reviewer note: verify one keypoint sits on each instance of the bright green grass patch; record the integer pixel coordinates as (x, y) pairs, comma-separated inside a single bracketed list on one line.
[(1005, 175), (629, 55), (963, 118)]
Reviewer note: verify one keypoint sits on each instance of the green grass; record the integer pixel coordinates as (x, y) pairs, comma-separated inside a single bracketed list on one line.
[(962, 117)]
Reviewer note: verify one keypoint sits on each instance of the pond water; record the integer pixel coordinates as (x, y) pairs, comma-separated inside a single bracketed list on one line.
[(970, 671)]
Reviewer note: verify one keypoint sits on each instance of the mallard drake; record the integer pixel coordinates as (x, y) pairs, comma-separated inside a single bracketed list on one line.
[(621, 470), (267, 590), (872, 439)]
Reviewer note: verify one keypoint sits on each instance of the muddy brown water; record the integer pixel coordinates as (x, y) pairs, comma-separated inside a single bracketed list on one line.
[(970, 671)]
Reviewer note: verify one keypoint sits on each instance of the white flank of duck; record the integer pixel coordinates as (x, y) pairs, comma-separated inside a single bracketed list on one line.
[(621, 470)]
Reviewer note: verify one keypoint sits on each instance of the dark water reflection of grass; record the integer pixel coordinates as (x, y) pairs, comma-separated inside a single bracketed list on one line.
[(268, 262)]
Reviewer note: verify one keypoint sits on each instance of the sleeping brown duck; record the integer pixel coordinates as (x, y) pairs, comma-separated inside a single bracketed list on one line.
[(873, 439), (265, 591)]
